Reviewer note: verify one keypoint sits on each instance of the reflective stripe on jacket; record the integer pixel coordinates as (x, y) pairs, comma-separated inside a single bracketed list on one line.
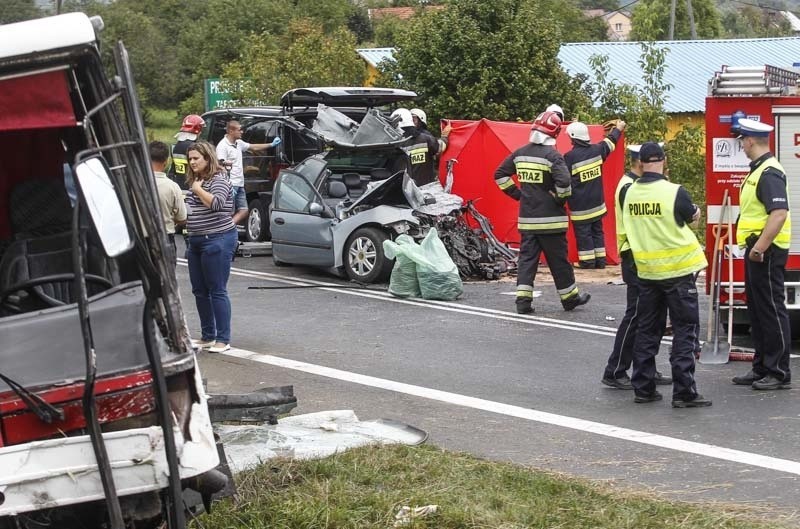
[(585, 163), (661, 248), (544, 183), (752, 213)]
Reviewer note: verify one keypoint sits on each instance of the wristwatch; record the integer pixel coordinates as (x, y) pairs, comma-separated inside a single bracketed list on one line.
[(757, 253)]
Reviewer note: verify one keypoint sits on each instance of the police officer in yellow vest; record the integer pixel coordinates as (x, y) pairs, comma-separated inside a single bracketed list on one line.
[(657, 215), (621, 357), (765, 228)]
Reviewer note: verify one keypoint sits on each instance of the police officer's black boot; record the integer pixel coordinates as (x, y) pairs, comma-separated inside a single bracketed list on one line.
[(524, 306), (581, 298), (600, 263)]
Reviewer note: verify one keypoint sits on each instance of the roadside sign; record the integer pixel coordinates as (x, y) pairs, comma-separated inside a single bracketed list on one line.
[(219, 93)]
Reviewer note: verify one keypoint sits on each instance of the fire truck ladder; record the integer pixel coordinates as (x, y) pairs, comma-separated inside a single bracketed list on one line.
[(754, 80)]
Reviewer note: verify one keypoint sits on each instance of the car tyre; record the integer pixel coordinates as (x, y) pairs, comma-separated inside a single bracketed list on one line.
[(257, 223), (364, 260)]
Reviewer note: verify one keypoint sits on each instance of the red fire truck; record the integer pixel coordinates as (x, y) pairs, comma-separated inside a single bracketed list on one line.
[(762, 93)]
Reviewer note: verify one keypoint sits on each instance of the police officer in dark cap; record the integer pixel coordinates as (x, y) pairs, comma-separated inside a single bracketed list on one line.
[(657, 216), (764, 228)]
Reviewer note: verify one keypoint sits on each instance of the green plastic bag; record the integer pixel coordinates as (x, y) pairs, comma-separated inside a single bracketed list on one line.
[(437, 273), (403, 282)]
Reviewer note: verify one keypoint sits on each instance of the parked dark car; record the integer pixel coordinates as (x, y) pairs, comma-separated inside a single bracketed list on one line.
[(292, 122)]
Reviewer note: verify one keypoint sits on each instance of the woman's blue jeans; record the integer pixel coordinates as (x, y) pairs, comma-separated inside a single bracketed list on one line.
[(210, 259)]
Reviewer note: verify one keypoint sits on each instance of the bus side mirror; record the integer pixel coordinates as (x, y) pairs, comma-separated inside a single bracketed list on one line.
[(94, 182)]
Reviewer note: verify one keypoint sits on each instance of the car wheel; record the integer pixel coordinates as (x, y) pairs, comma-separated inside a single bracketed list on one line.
[(364, 260), (257, 228)]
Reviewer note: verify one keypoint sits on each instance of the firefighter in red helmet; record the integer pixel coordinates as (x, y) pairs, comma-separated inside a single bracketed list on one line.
[(544, 186), (191, 127)]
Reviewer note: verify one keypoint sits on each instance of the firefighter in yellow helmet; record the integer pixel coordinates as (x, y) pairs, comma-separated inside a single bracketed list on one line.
[(657, 216), (765, 230)]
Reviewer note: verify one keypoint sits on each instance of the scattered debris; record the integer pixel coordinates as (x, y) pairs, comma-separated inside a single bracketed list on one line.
[(309, 436), (611, 318), (406, 514), (477, 253)]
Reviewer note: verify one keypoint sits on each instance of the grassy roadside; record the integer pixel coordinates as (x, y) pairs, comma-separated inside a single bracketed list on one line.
[(163, 124), (365, 487)]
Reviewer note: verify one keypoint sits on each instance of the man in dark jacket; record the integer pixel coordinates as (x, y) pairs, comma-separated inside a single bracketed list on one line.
[(544, 186), (587, 205)]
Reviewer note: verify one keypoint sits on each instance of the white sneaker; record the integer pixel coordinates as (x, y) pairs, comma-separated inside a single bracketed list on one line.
[(203, 344), (220, 348)]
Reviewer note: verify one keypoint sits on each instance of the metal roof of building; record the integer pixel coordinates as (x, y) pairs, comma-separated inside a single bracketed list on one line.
[(794, 22), (374, 56), (689, 64)]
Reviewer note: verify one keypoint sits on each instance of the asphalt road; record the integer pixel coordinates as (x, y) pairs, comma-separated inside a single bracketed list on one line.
[(525, 389)]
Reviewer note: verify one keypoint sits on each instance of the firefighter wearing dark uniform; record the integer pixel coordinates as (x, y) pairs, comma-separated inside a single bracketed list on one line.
[(621, 357), (657, 215), (544, 186), (191, 127), (421, 148), (764, 228), (422, 152), (587, 204)]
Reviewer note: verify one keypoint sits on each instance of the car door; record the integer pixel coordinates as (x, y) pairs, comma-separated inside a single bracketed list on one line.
[(298, 235), (258, 166)]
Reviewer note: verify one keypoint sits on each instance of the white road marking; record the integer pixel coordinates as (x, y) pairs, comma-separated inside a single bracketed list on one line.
[(446, 305), (607, 430)]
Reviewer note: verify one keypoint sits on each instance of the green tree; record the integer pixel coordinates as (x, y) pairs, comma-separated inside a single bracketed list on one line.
[(650, 20), (18, 10), (686, 160), (152, 55), (642, 106), (311, 54), (332, 14), (754, 22), (480, 59), (606, 5), (207, 44)]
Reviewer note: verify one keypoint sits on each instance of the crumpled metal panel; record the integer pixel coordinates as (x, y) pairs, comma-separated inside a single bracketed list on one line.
[(58, 472), (375, 130)]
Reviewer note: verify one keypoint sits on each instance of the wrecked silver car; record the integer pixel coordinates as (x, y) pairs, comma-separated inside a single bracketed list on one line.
[(334, 209)]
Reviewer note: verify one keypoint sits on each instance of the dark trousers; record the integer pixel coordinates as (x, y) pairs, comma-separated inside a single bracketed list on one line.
[(209, 268), (591, 243), (554, 246), (769, 318), (621, 357), (679, 296), (174, 256)]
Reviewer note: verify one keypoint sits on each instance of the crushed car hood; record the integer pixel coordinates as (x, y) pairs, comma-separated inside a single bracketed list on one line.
[(400, 190)]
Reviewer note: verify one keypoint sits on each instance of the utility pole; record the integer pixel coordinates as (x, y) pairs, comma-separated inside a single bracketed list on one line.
[(671, 35), (691, 19)]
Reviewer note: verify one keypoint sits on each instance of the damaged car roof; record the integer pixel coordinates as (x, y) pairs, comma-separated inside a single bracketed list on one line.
[(345, 96)]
